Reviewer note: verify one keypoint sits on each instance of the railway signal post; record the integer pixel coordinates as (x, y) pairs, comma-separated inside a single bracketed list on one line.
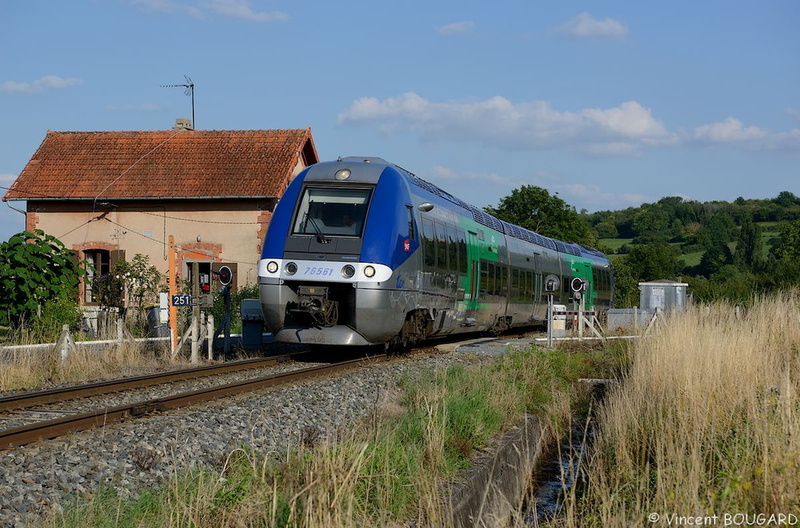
[(225, 276)]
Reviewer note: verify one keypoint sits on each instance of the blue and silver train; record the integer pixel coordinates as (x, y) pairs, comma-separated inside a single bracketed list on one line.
[(362, 252)]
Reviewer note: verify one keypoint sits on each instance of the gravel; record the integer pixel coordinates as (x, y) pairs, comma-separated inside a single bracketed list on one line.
[(40, 478)]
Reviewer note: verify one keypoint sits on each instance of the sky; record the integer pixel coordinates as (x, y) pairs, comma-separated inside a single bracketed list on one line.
[(606, 104)]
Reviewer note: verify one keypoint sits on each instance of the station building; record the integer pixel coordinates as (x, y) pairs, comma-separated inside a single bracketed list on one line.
[(112, 195)]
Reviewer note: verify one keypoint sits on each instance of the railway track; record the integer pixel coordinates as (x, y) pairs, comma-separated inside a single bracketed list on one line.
[(18, 436)]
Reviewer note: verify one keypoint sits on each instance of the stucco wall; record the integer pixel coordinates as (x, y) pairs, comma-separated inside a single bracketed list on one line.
[(229, 231)]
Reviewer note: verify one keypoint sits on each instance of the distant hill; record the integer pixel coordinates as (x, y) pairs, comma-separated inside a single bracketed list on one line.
[(754, 243)]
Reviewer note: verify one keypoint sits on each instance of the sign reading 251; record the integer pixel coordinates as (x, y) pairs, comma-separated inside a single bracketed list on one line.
[(182, 300)]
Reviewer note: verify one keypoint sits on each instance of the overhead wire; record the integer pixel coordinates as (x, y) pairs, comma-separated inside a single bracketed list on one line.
[(178, 246)]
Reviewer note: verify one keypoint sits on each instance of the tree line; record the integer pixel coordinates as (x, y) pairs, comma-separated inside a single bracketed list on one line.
[(723, 250)]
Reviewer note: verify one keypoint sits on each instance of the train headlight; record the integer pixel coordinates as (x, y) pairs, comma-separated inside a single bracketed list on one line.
[(291, 268), (369, 271), (342, 174), (348, 271), (272, 266)]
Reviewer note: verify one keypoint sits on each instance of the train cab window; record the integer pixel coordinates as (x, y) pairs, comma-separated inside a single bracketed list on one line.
[(327, 211), (412, 235)]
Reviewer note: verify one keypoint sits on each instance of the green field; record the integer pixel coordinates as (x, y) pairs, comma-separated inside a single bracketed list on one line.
[(614, 244)]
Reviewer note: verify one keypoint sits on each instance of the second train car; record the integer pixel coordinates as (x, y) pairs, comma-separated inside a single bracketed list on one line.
[(362, 252)]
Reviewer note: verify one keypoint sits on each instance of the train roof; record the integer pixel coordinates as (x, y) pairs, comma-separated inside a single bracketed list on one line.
[(375, 167), (504, 227)]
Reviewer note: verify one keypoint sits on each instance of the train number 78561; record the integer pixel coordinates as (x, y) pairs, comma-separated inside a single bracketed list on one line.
[(318, 270)]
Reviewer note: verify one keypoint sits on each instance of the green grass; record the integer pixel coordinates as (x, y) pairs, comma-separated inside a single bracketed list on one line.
[(614, 244)]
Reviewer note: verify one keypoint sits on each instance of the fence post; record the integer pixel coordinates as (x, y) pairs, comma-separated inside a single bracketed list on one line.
[(210, 336), (65, 343)]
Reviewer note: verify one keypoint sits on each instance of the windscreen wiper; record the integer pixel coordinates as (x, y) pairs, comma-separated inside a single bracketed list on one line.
[(321, 238)]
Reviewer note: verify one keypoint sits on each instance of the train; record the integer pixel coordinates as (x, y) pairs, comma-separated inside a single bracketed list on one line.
[(362, 252)]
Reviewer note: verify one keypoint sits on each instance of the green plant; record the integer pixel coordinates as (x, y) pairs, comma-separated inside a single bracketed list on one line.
[(57, 312), (249, 291), (34, 267), (141, 280)]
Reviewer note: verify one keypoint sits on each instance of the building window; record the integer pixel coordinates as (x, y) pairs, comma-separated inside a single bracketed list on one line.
[(98, 269)]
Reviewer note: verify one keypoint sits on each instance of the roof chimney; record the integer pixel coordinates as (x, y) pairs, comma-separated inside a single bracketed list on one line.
[(183, 123)]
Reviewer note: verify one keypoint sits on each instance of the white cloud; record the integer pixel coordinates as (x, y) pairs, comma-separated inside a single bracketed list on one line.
[(456, 28), (7, 177), (41, 85), (623, 130), (439, 174), (597, 198), (500, 123), (586, 26), (167, 6), (731, 131), (241, 9), (793, 113)]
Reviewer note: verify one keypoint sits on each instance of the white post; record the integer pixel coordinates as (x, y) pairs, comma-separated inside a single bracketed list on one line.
[(64, 343), (549, 321), (195, 312), (195, 339), (210, 336)]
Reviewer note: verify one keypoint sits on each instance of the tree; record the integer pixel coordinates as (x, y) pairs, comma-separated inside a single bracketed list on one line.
[(652, 262), (34, 268), (748, 246), (626, 286), (714, 258), (535, 209), (788, 243)]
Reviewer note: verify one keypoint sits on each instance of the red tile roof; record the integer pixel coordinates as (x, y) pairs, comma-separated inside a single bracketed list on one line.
[(163, 164)]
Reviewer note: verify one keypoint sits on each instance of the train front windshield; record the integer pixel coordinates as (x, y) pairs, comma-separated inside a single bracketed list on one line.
[(327, 211)]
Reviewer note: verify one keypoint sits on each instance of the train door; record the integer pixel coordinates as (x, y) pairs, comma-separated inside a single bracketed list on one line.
[(447, 274), (539, 304), (472, 292)]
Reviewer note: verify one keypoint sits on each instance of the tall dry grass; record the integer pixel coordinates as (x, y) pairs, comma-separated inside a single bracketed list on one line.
[(706, 423), (34, 370)]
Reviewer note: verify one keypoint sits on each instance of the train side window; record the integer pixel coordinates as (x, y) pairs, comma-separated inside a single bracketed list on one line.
[(515, 293), (484, 286), (428, 243), (441, 246), (462, 251), (526, 286), (452, 249), (489, 278)]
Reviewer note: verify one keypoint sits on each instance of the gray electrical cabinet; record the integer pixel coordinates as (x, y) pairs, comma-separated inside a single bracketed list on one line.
[(665, 295)]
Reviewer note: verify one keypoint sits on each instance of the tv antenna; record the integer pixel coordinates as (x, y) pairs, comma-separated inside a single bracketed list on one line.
[(189, 91)]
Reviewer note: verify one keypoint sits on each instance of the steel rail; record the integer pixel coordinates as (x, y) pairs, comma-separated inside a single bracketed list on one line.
[(30, 399), (27, 434)]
